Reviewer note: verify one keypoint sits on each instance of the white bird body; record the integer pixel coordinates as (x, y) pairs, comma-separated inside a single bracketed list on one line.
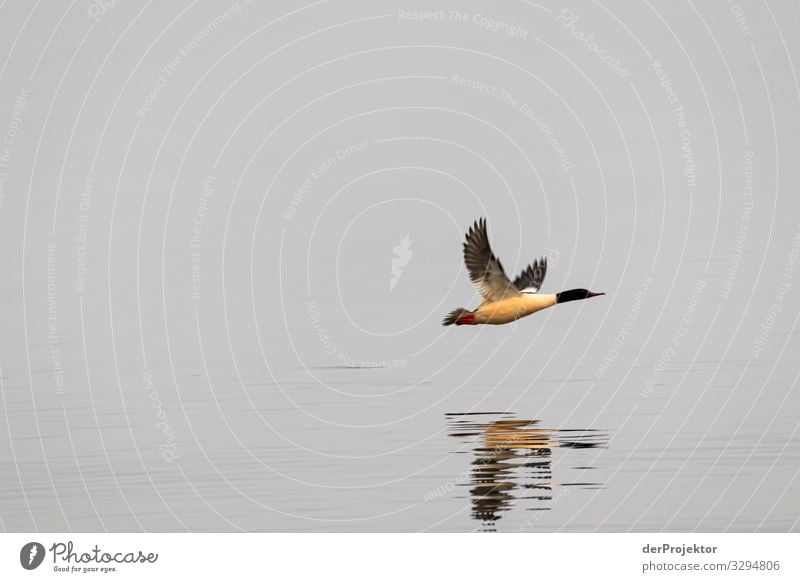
[(513, 308)]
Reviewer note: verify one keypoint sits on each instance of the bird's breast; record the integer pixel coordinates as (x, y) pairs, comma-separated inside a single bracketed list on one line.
[(511, 309)]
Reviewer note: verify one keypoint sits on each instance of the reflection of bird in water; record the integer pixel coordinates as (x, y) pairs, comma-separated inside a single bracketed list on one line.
[(513, 463)]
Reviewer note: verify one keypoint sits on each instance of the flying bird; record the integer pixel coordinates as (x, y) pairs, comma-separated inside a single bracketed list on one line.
[(504, 301)]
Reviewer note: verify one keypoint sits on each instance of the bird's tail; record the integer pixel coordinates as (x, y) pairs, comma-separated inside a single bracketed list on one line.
[(460, 316)]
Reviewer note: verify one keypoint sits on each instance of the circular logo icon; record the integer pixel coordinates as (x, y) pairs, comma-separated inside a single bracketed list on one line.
[(31, 555)]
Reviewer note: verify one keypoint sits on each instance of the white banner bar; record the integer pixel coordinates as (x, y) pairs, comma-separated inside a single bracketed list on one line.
[(354, 557)]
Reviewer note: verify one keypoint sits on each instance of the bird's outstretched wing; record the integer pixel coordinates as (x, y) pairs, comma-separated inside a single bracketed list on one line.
[(484, 268), (530, 280)]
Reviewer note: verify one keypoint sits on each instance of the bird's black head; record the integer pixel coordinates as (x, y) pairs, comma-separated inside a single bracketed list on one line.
[(575, 294)]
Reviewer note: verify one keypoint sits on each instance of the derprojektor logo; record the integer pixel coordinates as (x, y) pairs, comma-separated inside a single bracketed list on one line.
[(31, 555)]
